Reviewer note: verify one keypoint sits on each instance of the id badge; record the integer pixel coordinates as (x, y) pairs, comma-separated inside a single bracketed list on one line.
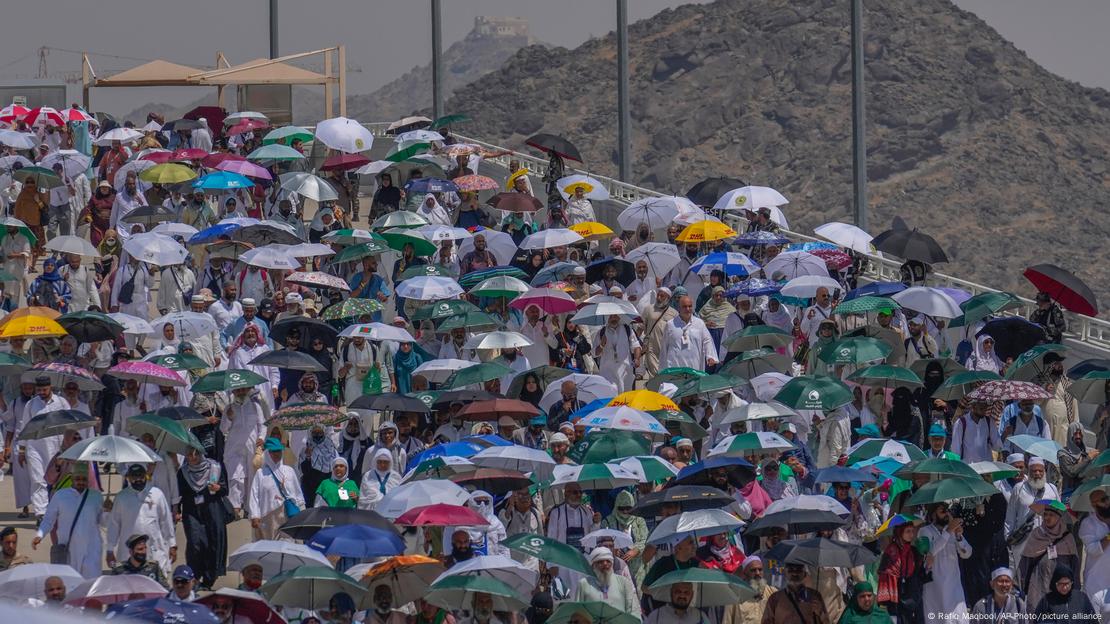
[(198, 499), (343, 495), (1051, 553)]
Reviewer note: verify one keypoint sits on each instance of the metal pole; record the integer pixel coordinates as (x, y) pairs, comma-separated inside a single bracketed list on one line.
[(274, 28), (437, 61), (624, 119), (859, 140)]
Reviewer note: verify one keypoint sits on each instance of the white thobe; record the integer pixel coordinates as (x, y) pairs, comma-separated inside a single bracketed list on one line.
[(667, 615), (85, 542), (1018, 509), (973, 441), (240, 357), (14, 423), (809, 326), (450, 351), (537, 354), (146, 512), (140, 295), (124, 205), (615, 360), (124, 410), (836, 437), (82, 287), (265, 497), (681, 275), (252, 285), (15, 245), (82, 193), (580, 211), (224, 314), (945, 594), (639, 287), (163, 475), (1091, 532), (176, 284), (40, 452), (361, 360), (686, 344), (242, 425)]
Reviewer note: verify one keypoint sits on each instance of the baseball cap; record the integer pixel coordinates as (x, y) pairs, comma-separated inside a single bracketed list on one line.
[(183, 572)]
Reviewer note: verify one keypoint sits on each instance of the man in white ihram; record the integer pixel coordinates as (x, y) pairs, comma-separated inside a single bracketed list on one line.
[(244, 426), (36, 454), (1019, 510), (946, 547), (686, 340), (75, 513), (618, 353), (141, 509)]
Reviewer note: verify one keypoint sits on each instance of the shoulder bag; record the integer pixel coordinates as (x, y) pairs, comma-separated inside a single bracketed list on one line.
[(288, 504), (59, 553)]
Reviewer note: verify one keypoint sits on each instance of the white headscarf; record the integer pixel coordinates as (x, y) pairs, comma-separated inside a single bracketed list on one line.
[(436, 214), (983, 361)]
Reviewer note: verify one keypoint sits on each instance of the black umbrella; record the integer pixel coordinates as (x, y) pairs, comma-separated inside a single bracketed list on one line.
[(515, 202), (392, 401), (465, 396), (91, 326), (55, 423), (708, 191), (185, 415), (309, 329), (821, 553), (1088, 366), (261, 234), (1061, 285), (796, 521), (149, 215), (687, 497), (910, 245), (305, 524), (289, 359), (492, 480), (1013, 336), (554, 144), (739, 471), (626, 271), (181, 124)]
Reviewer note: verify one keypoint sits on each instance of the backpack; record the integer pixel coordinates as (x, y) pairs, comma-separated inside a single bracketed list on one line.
[(47, 295)]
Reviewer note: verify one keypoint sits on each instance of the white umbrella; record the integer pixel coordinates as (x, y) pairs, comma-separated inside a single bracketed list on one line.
[(929, 301), (73, 163), (26, 581), (345, 135), (123, 135), (596, 193), (377, 331), (592, 476), (499, 243), (173, 228), (757, 411), (418, 494), (499, 567), (660, 257), (793, 264), (275, 556), (308, 185), (767, 385), (692, 216), (241, 115), (306, 250), (269, 258), (636, 465), (752, 441), (590, 388), (806, 286), (846, 235), (437, 371), (408, 121), (751, 198), (657, 212), (189, 324), (429, 288), (135, 166), (436, 232), (555, 237), (604, 306), (699, 523), (515, 457), (156, 249), (18, 140), (625, 418), (809, 502), (112, 449), (399, 218), (620, 538), (132, 325), (375, 167), (418, 136), (498, 340), (72, 245), (112, 588), (152, 126), (7, 163)]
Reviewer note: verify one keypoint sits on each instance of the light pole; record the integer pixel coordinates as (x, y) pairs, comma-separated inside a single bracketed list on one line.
[(624, 117), (859, 134), (273, 29), (437, 61)]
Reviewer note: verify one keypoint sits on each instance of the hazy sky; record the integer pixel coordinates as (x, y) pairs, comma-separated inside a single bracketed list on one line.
[(385, 38)]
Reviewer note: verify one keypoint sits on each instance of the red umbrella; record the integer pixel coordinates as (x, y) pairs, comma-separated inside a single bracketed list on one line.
[(549, 300), (44, 115), (249, 605), (160, 157), (213, 116), (11, 112), (1064, 287), (216, 158), (76, 114), (496, 408), (515, 202), (190, 153), (247, 125), (344, 162), (835, 259), (1007, 390), (441, 514)]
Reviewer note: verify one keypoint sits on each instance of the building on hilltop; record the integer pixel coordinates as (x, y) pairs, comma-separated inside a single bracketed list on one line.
[(501, 26)]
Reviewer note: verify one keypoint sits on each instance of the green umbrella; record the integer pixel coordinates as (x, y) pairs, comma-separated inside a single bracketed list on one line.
[(25, 231), (680, 423), (180, 361), (705, 385), (275, 151), (170, 436), (88, 326), (351, 236), (435, 270), (1030, 365), (758, 336), (309, 587), (1090, 388), (1081, 498), (903, 452), (474, 278), (675, 375), (886, 376), (755, 362), (758, 441), (983, 305), (955, 387), (442, 468), (995, 471), (595, 612), (402, 219), (500, 286), (470, 321), (399, 154), (11, 364), (398, 238), (427, 397), (451, 591), (951, 489), (476, 374), (712, 588), (936, 466), (359, 251), (443, 309), (228, 380), (818, 392), (608, 445), (289, 133), (45, 178), (447, 120), (545, 374), (855, 350), (351, 308), (549, 550), (862, 305), (654, 468)]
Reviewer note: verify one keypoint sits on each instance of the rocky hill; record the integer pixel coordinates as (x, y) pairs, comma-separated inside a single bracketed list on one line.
[(968, 138)]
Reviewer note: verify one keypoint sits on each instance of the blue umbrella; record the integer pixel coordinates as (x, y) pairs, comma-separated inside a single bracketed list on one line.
[(732, 263), (740, 471), (213, 234), (840, 474), (447, 449), (163, 611), (222, 181), (754, 287), (810, 246), (554, 273), (753, 239), (875, 289), (589, 408), (883, 465), (430, 185), (486, 441), (357, 541)]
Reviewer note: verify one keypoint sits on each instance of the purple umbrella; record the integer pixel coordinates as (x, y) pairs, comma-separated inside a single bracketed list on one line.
[(246, 168), (958, 295)]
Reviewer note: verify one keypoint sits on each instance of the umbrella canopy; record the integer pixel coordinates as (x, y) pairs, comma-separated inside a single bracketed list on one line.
[(697, 524), (310, 521), (269, 258), (867, 303), (1033, 364), (840, 474), (391, 401), (164, 611), (687, 497), (847, 236), (705, 232), (170, 436), (22, 581), (712, 588), (441, 515), (744, 444), (429, 288), (31, 327), (72, 245), (419, 494), (733, 264), (903, 452), (351, 308), (910, 245), (822, 553), (288, 359), (983, 305), (275, 556), (936, 466), (804, 513), (1037, 446), (515, 202), (1006, 390), (345, 135), (112, 449), (309, 587), (1013, 335), (501, 286), (407, 576), (1070, 291), (489, 410), (738, 471), (626, 419), (479, 373), (886, 376), (1081, 497), (645, 400), (308, 185), (758, 337), (709, 190), (951, 489), (224, 380), (275, 152), (106, 590), (554, 144), (929, 301), (649, 468), (757, 411), (794, 264), (660, 257), (592, 476), (54, 423), (358, 541), (91, 326), (818, 392), (61, 374), (244, 603), (549, 550), (303, 416), (309, 328), (156, 249), (1091, 388), (855, 350), (146, 372), (604, 446)]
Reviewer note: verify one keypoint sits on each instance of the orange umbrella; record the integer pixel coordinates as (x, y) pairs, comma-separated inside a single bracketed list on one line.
[(49, 313), (408, 577)]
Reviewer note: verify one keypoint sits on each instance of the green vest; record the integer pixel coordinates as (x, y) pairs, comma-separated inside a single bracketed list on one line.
[(329, 491)]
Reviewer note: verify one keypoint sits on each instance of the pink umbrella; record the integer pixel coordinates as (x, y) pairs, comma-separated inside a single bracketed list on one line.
[(835, 259), (216, 158), (191, 153), (247, 125), (44, 115), (549, 300), (245, 167), (475, 183), (146, 372), (159, 156)]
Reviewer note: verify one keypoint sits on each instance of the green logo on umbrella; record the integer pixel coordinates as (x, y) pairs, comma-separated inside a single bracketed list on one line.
[(814, 395), (741, 200), (358, 143)]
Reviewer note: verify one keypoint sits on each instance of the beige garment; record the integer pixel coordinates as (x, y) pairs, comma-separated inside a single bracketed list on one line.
[(270, 525), (749, 611), (1060, 411), (653, 337)]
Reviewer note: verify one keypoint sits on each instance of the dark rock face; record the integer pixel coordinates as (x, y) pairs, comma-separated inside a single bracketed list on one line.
[(967, 138)]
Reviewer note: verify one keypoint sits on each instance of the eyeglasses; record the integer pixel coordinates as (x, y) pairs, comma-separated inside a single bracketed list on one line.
[(180, 581)]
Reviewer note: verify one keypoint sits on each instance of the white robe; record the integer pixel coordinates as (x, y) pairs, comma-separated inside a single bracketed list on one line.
[(1018, 509), (252, 285), (240, 357), (14, 423), (146, 512), (243, 425), (124, 410), (265, 497), (224, 314), (175, 286), (945, 594), (537, 354), (686, 344), (16, 245), (361, 360), (40, 452), (140, 295), (86, 543), (1091, 532), (82, 287), (615, 360), (124, 205)]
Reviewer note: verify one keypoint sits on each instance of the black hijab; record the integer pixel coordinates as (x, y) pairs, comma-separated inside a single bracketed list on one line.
[(531, 397), (1064, 607), (904, 425)]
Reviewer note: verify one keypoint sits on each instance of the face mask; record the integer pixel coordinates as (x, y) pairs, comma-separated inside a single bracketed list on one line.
[(691, 253), (138, 485), (252, 583), (317, 438)]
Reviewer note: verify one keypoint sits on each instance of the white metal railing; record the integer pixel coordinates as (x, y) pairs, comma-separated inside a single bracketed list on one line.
[(1086, 330)]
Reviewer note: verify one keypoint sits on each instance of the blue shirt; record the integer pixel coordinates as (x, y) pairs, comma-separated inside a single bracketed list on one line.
[(369, 289), (232, 331)]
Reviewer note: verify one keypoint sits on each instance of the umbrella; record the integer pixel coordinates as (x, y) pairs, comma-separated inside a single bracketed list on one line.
[(377, 332), (487, 410), (886, 376), (167, 173), (590, 388), (903, 452), (649, 468), (287, 134), (188, 324), (515, 202), (146, 372), (678, 423), (245, 604), (165, 611), (817, 392), (73, 162), (1081, 497), (687, 497), (712, 588), (222, 181), (709, 190), (747, 443), (757, 337), (1070, 291), (792, 264), (18, 140), (936, 466), (549, 550), (929, 301), (441, 515), (170, 436), (757, 411), (805, 513), (391, 401), (867, 303), (344, 135), (303, 416), (751, 198), (705, 232), (309, 587), (738, 471), (355, 540), (437, 371), (310, 329), (951, 489), (1087, 366), (595, 612), (275, 152), (111, 449), (646, 400), (498, 567), (418, 494), (351, 308), (308, 185), (625, 418), (156, 249), (554, 237), (855, 350), (499, 243), (109, 589), (598, 313), (1031, 365), (287, 359), (995, 471), (592, 188), (699, 523), (307, 523), (407, 576), (90, 326), (806, 286), (554, 144), (54, 423), (704, 384), (983, 305), (275, 556), (172, 229), (477, 374), (269, 258), (847, 236), (22, 581), (592, 476), (676, 375), (31, 327), (1039, 447), (656, 212), (498, 340), (910, 245), (1005, 390), (501, 286), (1013, 335), (605, 446), (61, 374), (660, 257), (840, 474), (429, 288), (227, 380), (548, 300), (344, 162), (359, 250), (820, 552), (1090, 388)]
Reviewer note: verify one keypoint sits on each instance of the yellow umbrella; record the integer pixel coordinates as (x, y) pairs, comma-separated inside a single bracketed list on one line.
[(167, 173), (512, 178), (705, 232), (591, 230), (645, 400), (32, 327)]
